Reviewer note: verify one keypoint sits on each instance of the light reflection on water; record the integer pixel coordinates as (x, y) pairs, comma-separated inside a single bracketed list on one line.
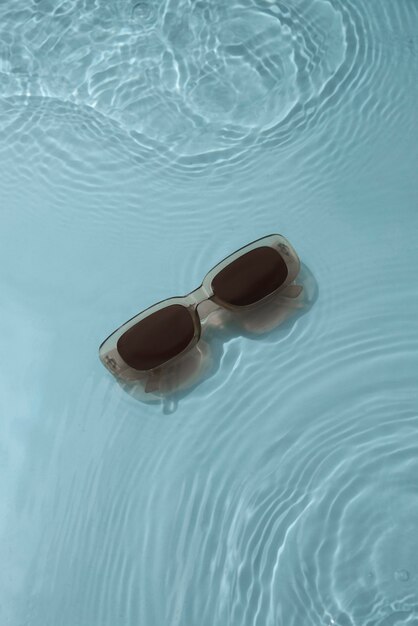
[(139, 144)]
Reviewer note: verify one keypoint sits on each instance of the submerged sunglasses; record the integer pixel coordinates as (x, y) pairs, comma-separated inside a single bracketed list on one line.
[(172, 327)]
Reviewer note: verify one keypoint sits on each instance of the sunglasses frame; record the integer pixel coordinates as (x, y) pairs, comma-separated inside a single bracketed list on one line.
[(108, 350)]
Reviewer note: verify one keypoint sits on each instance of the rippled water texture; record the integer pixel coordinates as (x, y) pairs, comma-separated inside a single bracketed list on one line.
[(140, 143)]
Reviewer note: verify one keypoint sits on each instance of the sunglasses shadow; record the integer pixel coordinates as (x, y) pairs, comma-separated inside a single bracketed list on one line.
[(168, 384)]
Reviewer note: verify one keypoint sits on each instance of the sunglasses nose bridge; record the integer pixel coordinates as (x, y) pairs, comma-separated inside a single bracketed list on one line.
[(202, 303), (199, 295)]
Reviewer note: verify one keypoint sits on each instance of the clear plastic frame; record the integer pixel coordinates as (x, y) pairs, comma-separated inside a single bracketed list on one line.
[(199, 303)]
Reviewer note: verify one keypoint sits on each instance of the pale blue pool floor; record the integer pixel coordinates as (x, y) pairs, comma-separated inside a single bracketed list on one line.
[(140, 144)]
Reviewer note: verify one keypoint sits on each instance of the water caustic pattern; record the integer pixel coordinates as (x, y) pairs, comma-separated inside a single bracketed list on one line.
[(196, 81), (141, 143), (198, 77), (296, 548)]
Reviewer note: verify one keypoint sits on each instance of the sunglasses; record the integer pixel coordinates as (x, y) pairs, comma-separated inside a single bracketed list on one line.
[(167, 330)]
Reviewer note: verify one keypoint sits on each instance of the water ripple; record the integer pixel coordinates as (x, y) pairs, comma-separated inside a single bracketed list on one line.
[(322, 488), (197, 83), (283, 491), (315, 499)]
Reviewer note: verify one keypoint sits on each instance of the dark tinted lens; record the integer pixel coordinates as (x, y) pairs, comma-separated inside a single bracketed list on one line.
[(157, 338), (251, 277)]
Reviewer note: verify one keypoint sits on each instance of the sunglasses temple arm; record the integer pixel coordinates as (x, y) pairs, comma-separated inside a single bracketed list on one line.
[(291, 291)]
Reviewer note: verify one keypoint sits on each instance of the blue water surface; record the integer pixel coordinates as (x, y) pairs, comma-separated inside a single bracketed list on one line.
[(140, 143)]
